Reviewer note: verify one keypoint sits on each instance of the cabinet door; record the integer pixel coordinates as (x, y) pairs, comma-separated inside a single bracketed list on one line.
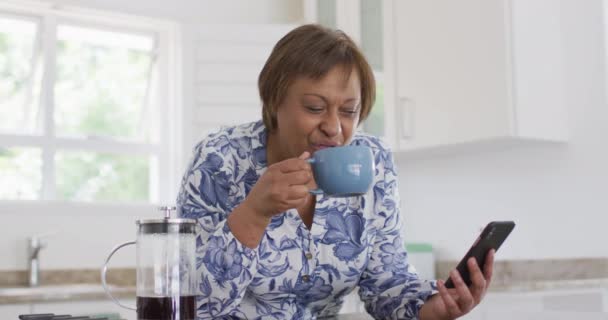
[(452, 83)]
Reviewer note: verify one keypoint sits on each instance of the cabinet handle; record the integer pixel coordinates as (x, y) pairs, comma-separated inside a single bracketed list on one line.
[(406, 110)]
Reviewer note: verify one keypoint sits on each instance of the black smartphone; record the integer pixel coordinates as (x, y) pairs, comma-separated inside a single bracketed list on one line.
[(492, 237)]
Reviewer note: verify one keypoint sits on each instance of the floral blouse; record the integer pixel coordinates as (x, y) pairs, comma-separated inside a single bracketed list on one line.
[(296, 272)]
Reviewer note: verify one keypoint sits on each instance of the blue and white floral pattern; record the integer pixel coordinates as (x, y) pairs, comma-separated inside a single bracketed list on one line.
[(296, 272)]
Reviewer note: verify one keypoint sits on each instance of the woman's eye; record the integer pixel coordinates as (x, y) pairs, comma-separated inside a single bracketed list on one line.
[(314, 109), (353, 111)]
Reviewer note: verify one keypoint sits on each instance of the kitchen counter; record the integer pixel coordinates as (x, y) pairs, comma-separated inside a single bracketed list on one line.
[(65, 285), (67, 292), (543, 274), (571, 284), (509, 276), (70, 292), (14, 295)]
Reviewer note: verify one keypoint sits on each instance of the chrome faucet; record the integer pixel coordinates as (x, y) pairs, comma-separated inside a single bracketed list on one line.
[(35, 245)]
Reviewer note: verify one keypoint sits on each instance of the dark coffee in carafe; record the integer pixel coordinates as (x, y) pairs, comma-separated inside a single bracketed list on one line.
[(166, 308)]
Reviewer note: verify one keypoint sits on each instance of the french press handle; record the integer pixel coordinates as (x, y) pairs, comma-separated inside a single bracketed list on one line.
[(104, 271)]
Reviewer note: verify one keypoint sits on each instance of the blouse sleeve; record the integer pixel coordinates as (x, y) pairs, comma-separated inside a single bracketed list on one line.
[(225, 266), (390, 286)]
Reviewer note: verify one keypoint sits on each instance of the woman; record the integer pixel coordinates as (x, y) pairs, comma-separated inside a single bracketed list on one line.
[(270, 249)]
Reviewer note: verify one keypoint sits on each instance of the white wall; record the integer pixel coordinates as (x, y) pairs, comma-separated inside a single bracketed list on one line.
[(80, 239), (203, 11), (556, 194)]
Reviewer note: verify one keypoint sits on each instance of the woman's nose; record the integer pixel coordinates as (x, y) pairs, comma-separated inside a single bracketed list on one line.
[(331, 126)]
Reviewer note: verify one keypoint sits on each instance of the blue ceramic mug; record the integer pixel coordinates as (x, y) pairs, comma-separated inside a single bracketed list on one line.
[(343, 171)]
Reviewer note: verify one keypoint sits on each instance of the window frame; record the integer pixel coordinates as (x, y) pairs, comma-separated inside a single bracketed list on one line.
[(164, 182)]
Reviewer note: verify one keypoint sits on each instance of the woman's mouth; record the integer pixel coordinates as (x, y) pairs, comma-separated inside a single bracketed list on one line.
[(320, 146)]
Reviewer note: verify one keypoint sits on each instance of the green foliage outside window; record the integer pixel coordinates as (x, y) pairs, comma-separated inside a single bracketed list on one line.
[(20, 173), (99, 92), (85, 176)]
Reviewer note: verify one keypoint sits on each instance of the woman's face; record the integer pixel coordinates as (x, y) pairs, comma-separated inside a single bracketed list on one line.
[(317, 114)]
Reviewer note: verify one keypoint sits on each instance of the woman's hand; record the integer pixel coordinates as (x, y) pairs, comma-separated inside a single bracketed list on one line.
[(453, 303), (283, 186)]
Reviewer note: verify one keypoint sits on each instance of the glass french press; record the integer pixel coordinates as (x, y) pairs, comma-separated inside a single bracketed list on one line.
[(166, 268)]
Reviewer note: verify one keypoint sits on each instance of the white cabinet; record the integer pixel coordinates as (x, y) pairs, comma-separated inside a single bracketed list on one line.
[(456, 75), (477, 71)]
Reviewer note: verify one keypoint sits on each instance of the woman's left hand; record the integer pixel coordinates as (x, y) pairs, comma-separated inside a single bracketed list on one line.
[(453, 303)]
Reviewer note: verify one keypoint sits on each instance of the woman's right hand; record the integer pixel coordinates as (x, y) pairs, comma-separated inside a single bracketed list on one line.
[(283, 186)]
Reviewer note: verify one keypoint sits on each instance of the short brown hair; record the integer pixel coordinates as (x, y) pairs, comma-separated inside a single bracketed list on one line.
[(311, 50)]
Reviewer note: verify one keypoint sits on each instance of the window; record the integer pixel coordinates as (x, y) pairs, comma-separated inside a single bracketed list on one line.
[(81, 99)]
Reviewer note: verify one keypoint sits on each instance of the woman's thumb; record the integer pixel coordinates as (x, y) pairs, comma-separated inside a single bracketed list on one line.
[(305, 155)]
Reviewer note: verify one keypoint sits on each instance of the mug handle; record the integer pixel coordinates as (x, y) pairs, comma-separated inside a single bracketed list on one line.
[(104, 271), (317, 191)]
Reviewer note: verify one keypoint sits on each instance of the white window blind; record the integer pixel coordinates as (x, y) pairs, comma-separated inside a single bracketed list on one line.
[(228, 61)]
